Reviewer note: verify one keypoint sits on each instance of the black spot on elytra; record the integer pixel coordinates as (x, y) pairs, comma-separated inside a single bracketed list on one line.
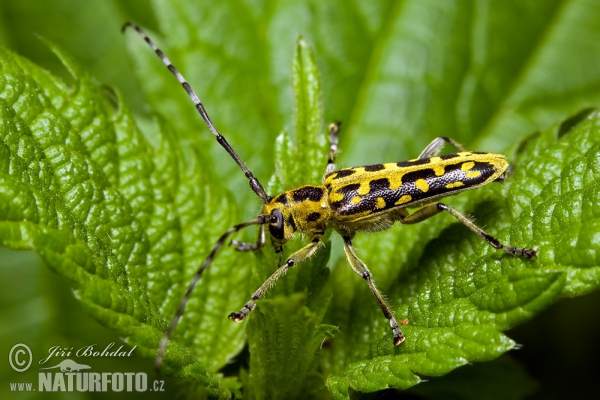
[(411, 177), (412, 163), (380, 188), (366, 204), (313, 216), (437, 184), (447, 156), (486, 169), (307, 193), (349, 190), (374, 167), (379, 185), (344, 173)]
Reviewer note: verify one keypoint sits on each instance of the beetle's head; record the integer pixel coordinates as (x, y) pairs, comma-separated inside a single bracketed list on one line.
[(281, 222)]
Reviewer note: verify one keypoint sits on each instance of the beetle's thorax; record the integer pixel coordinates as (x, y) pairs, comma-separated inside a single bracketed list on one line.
[(305, 210)]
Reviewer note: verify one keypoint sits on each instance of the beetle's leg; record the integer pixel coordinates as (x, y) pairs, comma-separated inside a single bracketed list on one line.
[(248, 246), (361, 269), (295, 259), (334, 131), (162, 347), (434, 148), (430, 210)]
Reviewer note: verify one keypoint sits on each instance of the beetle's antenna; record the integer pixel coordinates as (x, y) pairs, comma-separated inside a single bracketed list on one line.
[(261, 220), (254, 183)]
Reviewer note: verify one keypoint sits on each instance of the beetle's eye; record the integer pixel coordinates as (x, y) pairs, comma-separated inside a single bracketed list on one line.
[(276, 226)]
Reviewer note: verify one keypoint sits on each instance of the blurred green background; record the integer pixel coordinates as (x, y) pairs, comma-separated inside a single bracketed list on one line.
[(560, 347)]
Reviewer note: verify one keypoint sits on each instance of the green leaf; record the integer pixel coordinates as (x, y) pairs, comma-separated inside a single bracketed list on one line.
[(285, 338), (148, 207), (89, 31), (116, 216), (285, 334), (299, 160), (397, 74), (464, 293)]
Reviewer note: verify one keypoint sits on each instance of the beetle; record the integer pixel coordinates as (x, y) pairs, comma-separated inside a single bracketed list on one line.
[(368, 198)]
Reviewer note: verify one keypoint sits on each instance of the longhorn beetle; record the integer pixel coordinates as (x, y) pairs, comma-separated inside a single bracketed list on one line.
[(369, 198)]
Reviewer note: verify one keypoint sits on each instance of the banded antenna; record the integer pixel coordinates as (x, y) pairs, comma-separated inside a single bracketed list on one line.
[(254, 183)]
